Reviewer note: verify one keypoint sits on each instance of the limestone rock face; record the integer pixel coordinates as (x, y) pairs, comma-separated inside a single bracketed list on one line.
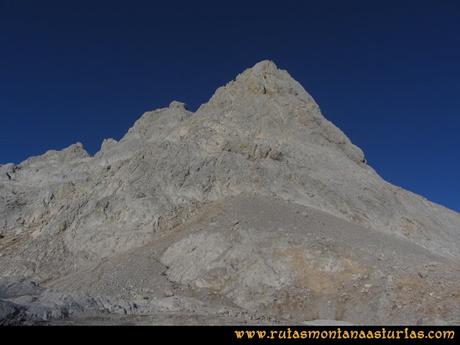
[(260, 141)]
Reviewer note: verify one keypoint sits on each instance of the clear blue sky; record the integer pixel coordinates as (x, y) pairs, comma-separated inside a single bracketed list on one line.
[(385, 72)]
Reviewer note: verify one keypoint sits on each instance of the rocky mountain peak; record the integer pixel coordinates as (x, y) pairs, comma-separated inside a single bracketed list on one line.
[(264, 103), (262, 86), (263, 68), (256, 197)]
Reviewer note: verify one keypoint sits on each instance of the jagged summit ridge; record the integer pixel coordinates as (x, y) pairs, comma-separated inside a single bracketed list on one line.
[(261, 101)]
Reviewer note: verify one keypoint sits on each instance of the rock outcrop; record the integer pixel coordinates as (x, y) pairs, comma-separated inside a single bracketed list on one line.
[(255, 203)]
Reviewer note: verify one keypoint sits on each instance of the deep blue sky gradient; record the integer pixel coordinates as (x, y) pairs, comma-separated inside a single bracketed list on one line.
[(386, 72)]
